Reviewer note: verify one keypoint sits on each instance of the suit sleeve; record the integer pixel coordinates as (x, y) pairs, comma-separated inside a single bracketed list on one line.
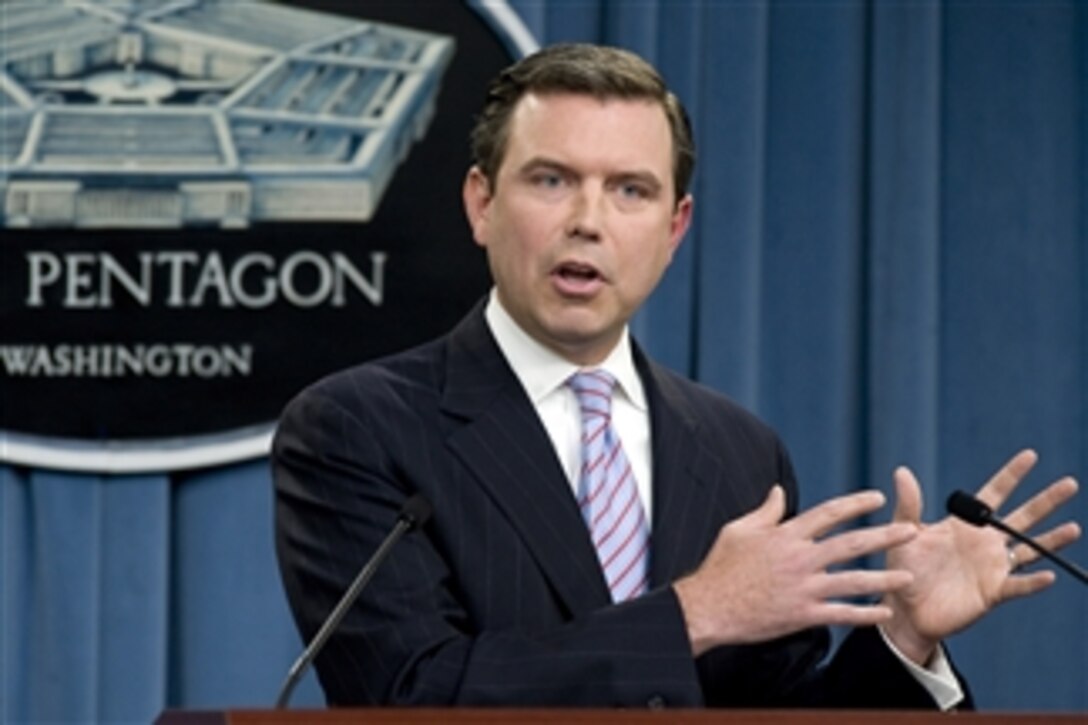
[(409, 639)]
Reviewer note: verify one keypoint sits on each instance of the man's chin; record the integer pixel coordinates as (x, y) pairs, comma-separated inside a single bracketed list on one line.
[(585, 344)]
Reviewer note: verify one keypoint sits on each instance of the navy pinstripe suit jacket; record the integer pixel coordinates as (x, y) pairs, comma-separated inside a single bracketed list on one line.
[(500, 599)]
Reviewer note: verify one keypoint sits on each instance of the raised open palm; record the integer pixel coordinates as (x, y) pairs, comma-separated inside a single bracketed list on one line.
[(962, 571)]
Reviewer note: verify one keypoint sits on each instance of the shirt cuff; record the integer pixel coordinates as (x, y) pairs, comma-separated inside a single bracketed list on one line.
[(938, 678)]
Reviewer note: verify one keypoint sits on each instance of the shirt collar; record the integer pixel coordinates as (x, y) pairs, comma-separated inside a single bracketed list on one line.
[(541, 370)]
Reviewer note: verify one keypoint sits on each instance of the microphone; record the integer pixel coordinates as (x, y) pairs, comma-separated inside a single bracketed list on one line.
[(964, 506), (413, 514)]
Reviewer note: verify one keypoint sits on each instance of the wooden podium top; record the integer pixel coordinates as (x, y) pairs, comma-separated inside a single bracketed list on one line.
[(471, 716)]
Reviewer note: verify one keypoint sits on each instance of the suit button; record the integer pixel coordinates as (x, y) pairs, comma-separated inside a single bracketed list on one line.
[(657, 702)]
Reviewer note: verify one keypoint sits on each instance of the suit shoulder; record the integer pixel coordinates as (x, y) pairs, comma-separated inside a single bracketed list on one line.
[(730, 434), (710, 405), (403, 375)]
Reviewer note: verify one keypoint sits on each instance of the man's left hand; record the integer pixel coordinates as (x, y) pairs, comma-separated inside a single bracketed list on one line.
[(962, 571)]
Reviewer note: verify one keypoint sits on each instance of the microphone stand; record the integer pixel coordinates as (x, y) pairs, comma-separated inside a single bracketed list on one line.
[(414, 512)]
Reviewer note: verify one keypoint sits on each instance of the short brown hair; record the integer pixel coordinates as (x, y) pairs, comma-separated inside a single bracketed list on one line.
[(599, 71)]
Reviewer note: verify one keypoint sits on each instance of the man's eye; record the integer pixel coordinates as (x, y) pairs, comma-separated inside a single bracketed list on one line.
[(634, 190), (548, 181)]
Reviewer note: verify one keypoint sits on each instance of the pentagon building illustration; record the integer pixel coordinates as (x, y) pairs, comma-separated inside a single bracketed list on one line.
[(178, 113)]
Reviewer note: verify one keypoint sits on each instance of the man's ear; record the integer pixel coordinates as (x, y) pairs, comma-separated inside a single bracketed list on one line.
[(476, 195), (680, 222)]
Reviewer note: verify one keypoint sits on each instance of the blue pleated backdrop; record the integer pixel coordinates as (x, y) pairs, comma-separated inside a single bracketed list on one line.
[(888, 263)]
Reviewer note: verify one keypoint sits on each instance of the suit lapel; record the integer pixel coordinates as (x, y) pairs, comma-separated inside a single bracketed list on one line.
[(685, 521), (497, 434)]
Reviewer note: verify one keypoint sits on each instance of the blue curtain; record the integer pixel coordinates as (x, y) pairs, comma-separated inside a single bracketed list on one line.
[(887, 263)]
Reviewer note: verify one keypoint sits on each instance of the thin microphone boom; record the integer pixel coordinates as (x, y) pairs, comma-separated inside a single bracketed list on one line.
[(413, 514), (965, 506)]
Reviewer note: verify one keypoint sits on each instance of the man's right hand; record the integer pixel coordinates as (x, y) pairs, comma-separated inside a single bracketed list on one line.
[(766, 578)]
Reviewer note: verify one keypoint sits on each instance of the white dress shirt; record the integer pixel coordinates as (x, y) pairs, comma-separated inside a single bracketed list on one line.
[(543, 373)]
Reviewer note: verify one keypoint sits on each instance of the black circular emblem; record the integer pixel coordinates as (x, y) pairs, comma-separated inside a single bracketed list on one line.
[(207, 206)]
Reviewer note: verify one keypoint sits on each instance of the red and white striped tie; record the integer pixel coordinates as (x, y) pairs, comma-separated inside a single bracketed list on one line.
[(607, 493)]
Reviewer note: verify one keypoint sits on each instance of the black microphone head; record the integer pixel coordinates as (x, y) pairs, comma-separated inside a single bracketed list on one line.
[(964, 506), (415, 511)]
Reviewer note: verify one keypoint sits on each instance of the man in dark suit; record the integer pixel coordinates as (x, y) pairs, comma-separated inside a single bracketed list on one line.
[(671, 567)]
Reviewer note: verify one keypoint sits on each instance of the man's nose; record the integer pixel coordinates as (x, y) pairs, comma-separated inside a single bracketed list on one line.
[(587, 212)]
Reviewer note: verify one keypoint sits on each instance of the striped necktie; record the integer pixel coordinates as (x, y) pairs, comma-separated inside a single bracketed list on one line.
[(607, 494)]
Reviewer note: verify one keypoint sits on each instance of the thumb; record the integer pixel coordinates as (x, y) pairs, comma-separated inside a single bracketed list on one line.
[(773, 508), (908, 497)]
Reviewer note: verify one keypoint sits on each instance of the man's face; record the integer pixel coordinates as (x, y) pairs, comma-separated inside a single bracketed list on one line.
[(582, 219)]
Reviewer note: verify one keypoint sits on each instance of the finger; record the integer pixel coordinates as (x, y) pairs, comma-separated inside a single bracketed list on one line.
[(855, 615), (861, 582), (1001, 484), (773, 508), (862, 542), (908, 497), (820, 519), (1053, 540), (1022, 585), (1042, 504)]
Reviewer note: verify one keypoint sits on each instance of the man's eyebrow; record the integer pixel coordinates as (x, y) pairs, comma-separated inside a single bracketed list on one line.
[(538, 163), (643, 177)]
